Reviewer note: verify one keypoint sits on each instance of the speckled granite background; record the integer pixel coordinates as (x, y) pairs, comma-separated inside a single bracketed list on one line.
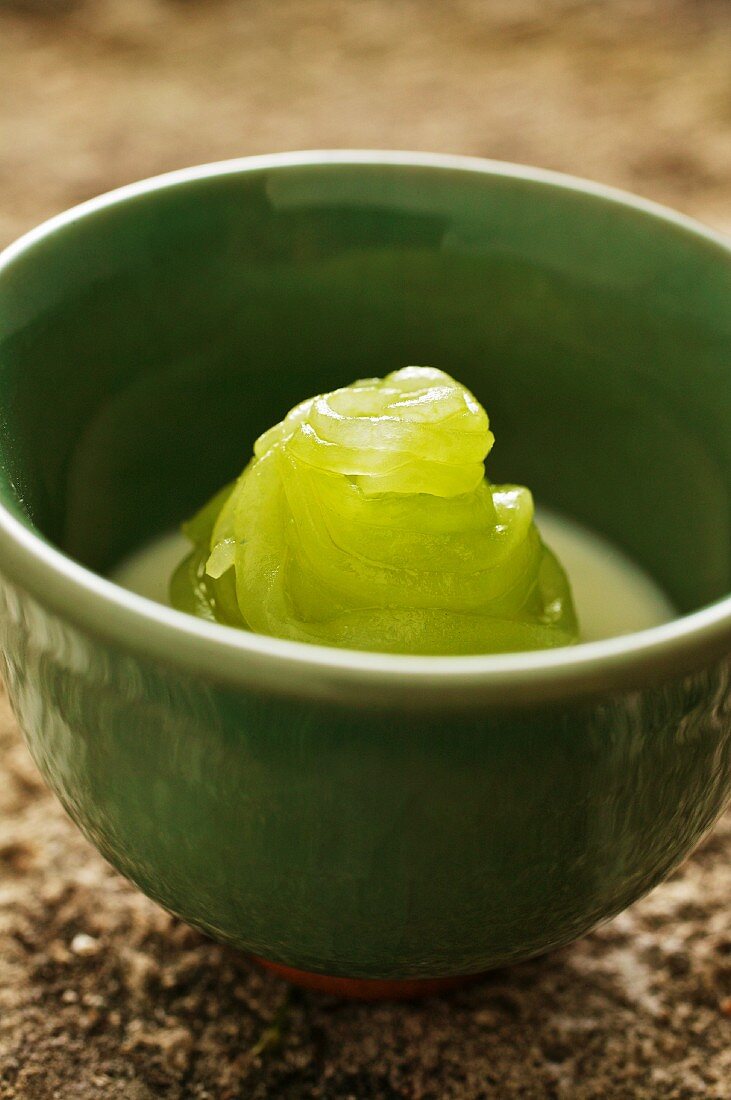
[(101, 994)]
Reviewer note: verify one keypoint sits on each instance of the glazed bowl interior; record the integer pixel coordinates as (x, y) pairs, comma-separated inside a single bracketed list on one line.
[(151, 336)]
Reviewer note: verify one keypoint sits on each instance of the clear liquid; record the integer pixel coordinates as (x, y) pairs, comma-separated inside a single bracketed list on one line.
[(613, 595)]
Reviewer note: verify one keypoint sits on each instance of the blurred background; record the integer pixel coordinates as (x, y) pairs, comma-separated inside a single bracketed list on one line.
[(101, 994), (94, 93)]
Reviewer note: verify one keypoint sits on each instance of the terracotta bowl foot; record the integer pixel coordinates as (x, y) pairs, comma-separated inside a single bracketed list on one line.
[(367, 989)]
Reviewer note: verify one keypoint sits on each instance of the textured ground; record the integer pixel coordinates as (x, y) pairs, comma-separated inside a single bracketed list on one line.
[(102, 995)]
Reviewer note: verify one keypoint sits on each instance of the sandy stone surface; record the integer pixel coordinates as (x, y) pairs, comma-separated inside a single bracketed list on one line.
[(103, 995)]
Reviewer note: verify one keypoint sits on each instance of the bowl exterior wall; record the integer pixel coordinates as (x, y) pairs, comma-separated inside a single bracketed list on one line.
[(379, 843)]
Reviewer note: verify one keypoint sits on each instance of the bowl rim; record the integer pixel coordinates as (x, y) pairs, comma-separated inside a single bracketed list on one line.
[(238, 658)]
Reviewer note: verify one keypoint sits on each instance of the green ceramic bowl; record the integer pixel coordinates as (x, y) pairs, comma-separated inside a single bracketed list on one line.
[(354, 813)]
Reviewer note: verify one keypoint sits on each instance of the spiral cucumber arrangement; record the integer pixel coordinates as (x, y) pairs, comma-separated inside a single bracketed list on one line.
[(364, 520)]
